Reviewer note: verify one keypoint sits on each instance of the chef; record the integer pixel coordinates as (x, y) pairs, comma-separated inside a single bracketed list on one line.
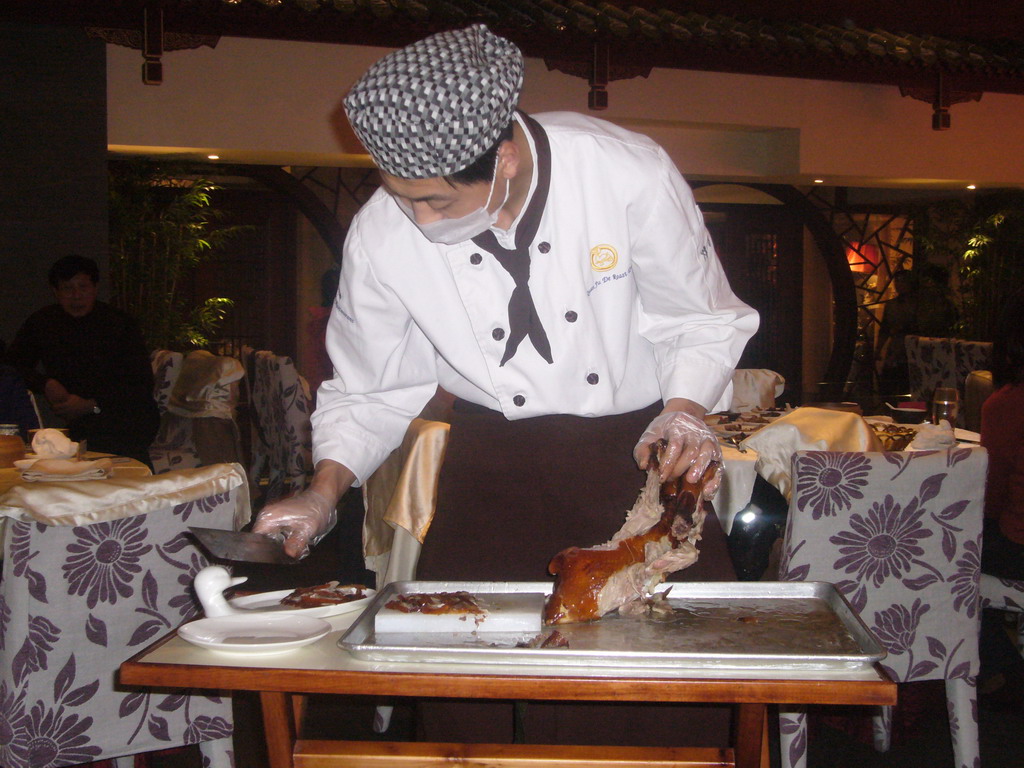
[(554, 274)]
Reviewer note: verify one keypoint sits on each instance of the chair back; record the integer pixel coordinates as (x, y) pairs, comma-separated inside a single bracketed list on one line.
[(944, 362), (282, 452), (755, 388), (900, 536), (931, 363), (78, 600), (197, 395), (166, 367)]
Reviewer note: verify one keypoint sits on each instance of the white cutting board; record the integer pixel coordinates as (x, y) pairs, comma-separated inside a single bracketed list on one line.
[(505, 612)]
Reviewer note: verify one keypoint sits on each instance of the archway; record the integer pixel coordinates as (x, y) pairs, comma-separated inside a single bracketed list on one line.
[(833, 251)]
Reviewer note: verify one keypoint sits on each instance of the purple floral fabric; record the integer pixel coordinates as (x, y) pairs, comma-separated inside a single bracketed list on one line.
[(166, 367), (906, 555), (899, 534), (998, 593), (931, 363), (944, 362), (172, 447), (833, 481), (76, 601), (282, 434)]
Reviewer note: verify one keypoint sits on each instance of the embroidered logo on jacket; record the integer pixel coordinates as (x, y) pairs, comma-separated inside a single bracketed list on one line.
[(603, 257)]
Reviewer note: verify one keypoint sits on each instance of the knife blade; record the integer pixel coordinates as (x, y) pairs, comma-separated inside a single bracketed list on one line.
[(242, 547)]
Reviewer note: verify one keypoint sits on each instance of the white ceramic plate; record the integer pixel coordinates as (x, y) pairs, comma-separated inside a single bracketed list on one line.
[(270, 602), (258, 633)]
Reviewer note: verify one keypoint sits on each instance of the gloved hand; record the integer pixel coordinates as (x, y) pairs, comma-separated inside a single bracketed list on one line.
[(692, 447), (301, 520)]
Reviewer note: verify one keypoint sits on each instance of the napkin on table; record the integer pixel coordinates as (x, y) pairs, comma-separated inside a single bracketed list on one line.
[(931, 437), (38, 470), (53, 444)]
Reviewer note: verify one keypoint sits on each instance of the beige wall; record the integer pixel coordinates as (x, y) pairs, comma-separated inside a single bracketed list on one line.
[(276, 102), (276, 99)]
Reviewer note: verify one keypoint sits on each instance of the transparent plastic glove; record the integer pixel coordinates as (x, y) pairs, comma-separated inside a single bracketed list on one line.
[(301, 520), (692, 447)]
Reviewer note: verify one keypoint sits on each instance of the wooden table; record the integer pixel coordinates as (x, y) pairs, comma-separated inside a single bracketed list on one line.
[(283, 679)]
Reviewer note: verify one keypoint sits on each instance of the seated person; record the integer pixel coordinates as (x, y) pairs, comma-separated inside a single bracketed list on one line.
[(90, 362), (1002, 434)]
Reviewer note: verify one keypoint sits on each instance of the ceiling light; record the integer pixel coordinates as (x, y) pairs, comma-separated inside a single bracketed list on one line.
[(213, 157), (819, 181), (971, 186)]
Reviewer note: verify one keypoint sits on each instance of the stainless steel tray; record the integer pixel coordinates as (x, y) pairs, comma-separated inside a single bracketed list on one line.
[(729, 625)]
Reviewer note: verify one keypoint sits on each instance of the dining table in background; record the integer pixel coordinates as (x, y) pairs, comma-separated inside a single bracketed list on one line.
[(762, 442)]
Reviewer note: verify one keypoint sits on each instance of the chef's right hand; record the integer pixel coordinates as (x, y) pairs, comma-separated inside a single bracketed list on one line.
[(301, 520)]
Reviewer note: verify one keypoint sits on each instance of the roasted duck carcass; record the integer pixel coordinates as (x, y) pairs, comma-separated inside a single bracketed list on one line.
[(659, 537)]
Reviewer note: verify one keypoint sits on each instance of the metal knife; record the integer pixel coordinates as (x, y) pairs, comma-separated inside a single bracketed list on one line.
[(242, 547)]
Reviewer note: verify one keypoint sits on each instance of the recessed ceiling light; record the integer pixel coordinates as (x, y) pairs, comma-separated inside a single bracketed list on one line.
[(971, 186), (213, 157), (819, 181)]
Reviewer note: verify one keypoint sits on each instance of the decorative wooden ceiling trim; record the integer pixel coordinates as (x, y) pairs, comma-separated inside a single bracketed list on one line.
[(800, 39), (941, 96)]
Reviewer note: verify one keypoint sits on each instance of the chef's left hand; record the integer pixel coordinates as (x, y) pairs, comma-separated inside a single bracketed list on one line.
[(692, 445)]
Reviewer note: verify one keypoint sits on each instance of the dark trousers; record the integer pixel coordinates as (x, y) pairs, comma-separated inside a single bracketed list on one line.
[(512, 495)]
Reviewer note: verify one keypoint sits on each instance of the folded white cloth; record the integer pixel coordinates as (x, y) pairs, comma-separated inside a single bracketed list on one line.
[(51, 470), (53, 444), (934, 437)]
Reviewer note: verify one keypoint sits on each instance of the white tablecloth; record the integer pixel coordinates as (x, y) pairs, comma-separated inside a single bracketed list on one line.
[(737, 484)]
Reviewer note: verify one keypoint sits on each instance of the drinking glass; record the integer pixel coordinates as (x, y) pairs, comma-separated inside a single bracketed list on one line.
[(945, 405)]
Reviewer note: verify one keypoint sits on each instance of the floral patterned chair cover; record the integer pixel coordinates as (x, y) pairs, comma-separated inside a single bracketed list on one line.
[(282, 444), (172, 448), (942, 362), (197, 421), (899, 534), (1004, 595), (77, 600), (166, 367), (931, 363)]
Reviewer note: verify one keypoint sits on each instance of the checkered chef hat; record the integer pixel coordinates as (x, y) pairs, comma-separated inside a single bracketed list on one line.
[(432, 108)]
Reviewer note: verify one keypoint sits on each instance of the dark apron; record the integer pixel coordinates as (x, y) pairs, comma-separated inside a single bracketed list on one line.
[(513, 494)]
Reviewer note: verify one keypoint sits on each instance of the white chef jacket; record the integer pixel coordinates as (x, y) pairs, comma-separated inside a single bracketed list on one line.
[(623, 276)]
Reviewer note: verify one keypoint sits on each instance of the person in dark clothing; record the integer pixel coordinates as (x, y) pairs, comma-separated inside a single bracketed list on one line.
[(1001, 680), (90, 362)]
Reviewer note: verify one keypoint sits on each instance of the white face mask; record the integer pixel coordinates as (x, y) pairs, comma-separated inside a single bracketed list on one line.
[(454, 231)]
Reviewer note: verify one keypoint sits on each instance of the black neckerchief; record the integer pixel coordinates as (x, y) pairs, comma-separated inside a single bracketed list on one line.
[(522, 314)]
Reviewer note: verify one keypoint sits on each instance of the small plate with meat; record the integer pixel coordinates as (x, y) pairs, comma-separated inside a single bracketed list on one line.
[(330, 599)]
